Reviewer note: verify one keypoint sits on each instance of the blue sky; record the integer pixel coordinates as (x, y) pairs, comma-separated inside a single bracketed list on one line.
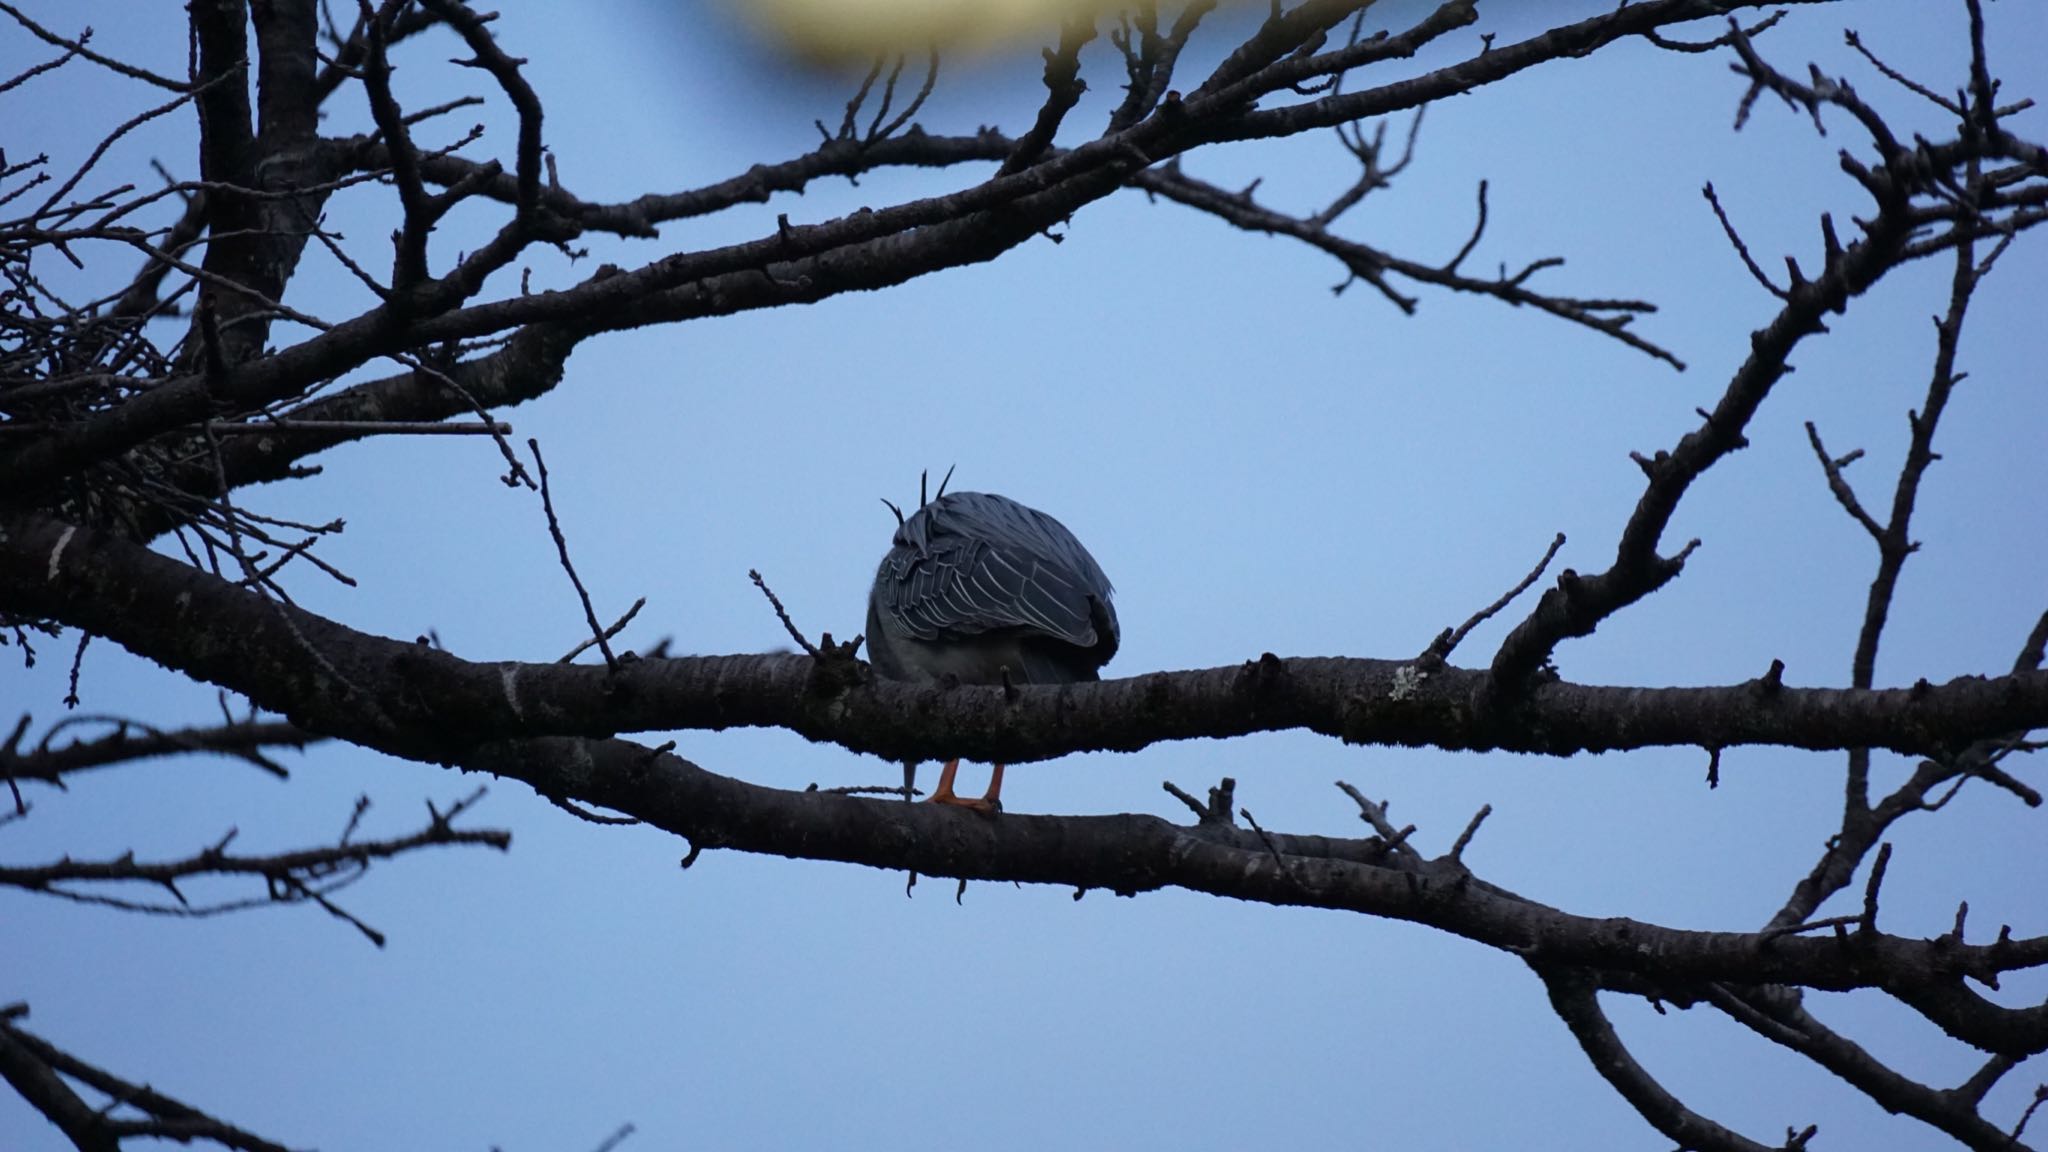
[(1258, 464)]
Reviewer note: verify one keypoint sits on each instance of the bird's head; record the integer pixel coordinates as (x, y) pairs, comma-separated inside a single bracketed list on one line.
[(912, 531)]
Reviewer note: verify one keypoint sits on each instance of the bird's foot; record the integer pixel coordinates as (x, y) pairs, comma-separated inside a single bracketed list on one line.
[(987, 805)]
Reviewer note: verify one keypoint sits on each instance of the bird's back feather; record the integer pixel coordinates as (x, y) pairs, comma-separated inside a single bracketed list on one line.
[(971, 564)]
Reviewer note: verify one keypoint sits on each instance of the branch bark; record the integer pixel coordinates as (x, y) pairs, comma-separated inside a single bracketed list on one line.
[(335, 680)]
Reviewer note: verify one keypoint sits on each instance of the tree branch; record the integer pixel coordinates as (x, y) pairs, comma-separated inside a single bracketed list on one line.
[(258, 648), (794, 264), (310, 874), (1576, 1000), (1137, 853), (132, 740), (36, 1069)]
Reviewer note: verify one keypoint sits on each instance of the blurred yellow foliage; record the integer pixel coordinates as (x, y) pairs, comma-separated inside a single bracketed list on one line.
[(834, 31)]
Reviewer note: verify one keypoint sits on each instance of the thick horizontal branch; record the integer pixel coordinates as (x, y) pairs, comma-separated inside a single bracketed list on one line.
[(422, 702), (1132, 853)]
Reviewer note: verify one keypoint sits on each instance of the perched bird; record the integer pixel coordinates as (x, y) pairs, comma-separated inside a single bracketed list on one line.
[(979, 589)]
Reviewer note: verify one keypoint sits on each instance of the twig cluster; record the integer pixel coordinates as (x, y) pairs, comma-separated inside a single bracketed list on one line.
[(310, 875)]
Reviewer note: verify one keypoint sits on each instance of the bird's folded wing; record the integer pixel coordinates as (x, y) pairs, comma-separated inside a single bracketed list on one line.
[(967, 587)]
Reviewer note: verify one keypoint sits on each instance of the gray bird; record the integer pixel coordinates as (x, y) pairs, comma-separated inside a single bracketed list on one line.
[(979, 589)]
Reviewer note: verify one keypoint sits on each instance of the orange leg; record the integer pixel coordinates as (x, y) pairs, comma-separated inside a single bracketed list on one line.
[(943, 794), (990, 802)]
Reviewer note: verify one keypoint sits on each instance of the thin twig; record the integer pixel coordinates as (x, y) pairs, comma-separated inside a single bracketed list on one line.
[(617, 627), (906, 791), (2040, 1096), (1449, 639), (1868, 921), (1741, 249), (1200, 810), (1376, 815), (364, 427), (582, 813), (788, 625), (1465, 837), (547, 502)]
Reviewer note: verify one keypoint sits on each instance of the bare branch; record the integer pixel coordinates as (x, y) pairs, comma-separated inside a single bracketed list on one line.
[(1364, 262), (1440, 649), (1063, 85), (38, 1070), (1577, 1003), (311, 874), (598, 634), (781, 614), (1349, 698), (78, 47), (132, 740)]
